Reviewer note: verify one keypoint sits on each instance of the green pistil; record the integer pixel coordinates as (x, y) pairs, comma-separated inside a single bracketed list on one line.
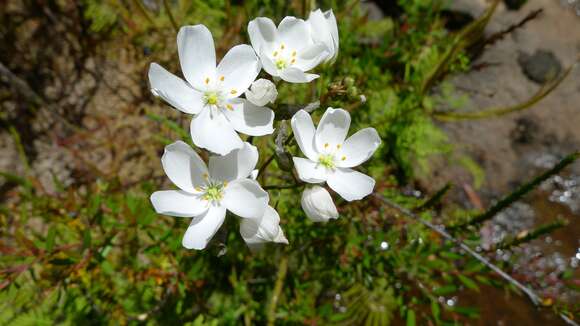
[(326, 160), (281, 64), (211, 98), (213, 193)]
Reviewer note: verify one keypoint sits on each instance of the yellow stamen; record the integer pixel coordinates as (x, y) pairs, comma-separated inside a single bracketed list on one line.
[(338, 146), (233, 91), (230, 107), (326, 145), (222, 78), (282, 46), (207, 81), (205, 176), (293, 60), (343, 158), (225, 183), (275, 53), (293, 53)]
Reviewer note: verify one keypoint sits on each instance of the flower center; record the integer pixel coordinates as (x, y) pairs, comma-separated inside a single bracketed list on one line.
[(213, 193), (281, 64), (326, 160), (284, 57), (211, 98)]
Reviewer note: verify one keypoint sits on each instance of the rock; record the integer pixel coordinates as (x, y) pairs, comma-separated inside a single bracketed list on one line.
[(525, 131), (540, 67)]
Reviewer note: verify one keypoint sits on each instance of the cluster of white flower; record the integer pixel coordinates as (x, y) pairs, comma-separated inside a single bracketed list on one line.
[(211, 93)]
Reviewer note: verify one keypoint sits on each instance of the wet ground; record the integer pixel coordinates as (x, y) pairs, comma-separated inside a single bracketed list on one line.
[(523, 145)]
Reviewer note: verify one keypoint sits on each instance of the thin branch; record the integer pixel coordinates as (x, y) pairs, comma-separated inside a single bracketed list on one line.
[(282, 186), (536, 300)]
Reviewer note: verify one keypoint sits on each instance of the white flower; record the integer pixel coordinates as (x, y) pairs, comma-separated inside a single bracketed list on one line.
[(266, 228), (205, 194), (211, 93), (318, 205), (324, 29), (287, 51), (262, 92), (329, 157)]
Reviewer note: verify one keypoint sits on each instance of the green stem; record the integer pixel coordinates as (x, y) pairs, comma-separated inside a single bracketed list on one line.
[(521, 191), (282, 270), (170, 14)]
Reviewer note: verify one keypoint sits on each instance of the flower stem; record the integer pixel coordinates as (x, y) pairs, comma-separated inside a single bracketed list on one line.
[(277, 289)]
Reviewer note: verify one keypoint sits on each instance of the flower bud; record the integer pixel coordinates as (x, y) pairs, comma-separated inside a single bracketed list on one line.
[(257, 231), (262, 92), (318, 205)]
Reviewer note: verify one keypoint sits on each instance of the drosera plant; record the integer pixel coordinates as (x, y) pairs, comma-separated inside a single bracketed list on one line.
[(99, 252)]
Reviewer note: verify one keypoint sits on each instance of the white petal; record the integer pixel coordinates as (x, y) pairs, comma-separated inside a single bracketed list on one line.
[(212, 131), (320, 30), (196, 55), (351, 185), (239, 69), (203, 228), (333, 26), (332, 129), (262, 31), (359, 147), (268, 65), (295, 75), (318, 205), (178, 203), (303, 129), (183, 166), (245, 198), (250, 119), (238, 164), (262, 229), (174, 90), (294, 33), (309, 171), (311, 56)]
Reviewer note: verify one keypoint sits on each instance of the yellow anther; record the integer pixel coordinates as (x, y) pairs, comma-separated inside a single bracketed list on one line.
[(338, 146), (222, 78), (225, 183), (233, 91), (282, 46), (230, 107), (293, 60), (326, 145), (293, 53), (205, 176), (343, 158), (207, 81), (275, 53), (198, 188)]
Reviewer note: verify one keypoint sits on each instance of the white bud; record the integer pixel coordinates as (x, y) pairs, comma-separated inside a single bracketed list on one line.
[(318, 205), (257, 231), (262, 92)]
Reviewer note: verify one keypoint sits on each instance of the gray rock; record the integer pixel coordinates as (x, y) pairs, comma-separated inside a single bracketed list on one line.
[(540, 67)]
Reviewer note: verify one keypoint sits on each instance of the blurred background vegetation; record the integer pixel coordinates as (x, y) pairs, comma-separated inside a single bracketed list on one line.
[(82, 137)]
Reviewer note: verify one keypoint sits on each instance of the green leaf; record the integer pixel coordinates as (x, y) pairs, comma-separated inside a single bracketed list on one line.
[(469, 283), (50, 236)]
